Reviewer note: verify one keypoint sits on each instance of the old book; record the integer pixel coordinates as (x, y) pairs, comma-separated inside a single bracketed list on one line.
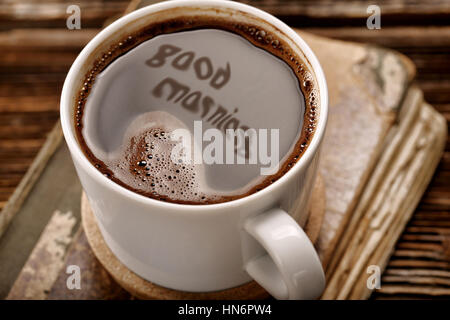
[(388, 200), (366, 86), (375, 170)]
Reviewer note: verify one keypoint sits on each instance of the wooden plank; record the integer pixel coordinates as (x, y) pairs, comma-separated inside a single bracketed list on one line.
[(436, 92), (431, 215), (46, 39), (28, 118), (429, 37), (428, 280), (416, 290), (439, 223), (417, 254), (436, 230), (443, 108), (57, 10), (25, 89), (436, 265), (32, 78), (24, 132), (28, 144), (350, 9), (29, 104), (47, 14), (420, 237), (53, 60), (9, 182), (418, 272)]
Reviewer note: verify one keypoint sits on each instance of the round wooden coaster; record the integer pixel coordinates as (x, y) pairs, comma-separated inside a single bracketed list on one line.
[(144, 289)]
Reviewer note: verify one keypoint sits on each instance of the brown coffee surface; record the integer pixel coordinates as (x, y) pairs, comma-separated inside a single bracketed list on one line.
[(143, 163)]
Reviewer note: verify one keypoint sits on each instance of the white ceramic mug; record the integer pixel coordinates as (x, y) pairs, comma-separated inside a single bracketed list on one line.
[(201, 248)]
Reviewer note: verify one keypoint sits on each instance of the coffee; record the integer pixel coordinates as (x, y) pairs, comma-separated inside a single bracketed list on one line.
[(206, 75)]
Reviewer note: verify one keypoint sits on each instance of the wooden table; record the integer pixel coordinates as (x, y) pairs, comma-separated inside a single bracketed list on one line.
[(37, 50)]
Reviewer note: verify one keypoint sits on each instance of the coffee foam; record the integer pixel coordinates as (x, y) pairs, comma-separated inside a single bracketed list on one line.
[(143, 161)]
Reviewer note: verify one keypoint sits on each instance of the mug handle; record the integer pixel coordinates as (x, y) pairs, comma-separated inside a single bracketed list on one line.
[(291, 268)]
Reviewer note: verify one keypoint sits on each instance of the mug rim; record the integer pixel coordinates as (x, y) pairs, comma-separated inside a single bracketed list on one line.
[(70, 84)]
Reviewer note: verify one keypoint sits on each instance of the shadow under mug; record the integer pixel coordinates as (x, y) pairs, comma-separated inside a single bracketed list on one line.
[(202, 248)]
